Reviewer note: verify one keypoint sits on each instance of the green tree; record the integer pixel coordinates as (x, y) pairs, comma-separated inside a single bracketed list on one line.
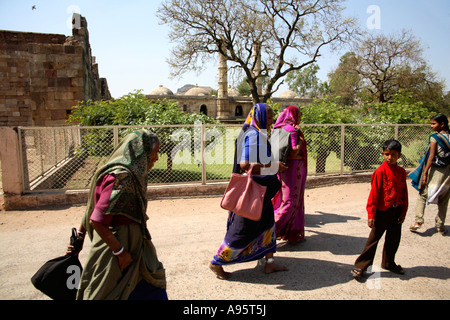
[(327, 139), (404, 109), (344, 81), (445, 108), (306, 83), (362, 146), (422, 84), (134, 109), (243, 88)]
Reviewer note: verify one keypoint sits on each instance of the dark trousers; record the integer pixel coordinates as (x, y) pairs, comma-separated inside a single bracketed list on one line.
[(385, 221)]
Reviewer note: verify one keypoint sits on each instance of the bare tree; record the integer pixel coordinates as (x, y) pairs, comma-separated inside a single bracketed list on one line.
[(264, 39), (381, 60)]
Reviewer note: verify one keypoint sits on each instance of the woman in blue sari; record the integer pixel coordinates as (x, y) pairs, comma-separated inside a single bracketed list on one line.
[(248, 240)]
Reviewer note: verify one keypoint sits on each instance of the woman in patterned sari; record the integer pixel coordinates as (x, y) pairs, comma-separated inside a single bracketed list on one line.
[(122, 262), (248, 240), (433, 181), (289, 203)]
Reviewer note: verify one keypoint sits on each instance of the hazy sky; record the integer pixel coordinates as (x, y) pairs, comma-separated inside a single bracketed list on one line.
[(131, 47)]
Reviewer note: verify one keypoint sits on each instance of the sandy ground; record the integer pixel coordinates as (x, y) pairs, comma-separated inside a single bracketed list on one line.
[(187, 233)]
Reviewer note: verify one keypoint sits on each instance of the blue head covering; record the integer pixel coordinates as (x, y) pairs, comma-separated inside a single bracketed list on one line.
[(258, 113)]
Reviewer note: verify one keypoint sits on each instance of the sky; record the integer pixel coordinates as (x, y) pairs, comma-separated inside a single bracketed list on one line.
[(131, 46)]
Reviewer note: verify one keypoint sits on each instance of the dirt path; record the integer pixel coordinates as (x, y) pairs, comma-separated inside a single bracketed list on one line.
[(187, 233)]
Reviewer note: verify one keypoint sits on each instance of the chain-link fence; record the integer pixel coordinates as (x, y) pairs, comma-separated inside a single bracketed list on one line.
[(66, 158)]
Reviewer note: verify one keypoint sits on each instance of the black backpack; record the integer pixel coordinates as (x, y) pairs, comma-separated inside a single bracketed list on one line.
[(280, 142)]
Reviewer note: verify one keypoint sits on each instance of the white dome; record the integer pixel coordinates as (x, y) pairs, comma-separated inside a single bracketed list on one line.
[(197, 91), (161, 91), (289, 94)]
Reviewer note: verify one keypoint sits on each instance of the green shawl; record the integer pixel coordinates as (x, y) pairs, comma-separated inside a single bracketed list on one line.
[(129, 162), (101, 277)]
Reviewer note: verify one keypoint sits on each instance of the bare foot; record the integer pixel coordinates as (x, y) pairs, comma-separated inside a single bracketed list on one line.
[(220, 273), (273, 267)]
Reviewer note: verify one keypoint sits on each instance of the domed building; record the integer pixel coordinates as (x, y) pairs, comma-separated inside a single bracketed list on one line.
[(161, 91), (197, 91), (289, 97), (289, 94), (195, 100), (231, 107), (227, 106)]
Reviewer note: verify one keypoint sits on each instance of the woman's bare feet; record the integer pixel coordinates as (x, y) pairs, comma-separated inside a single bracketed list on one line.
[(220, 273)]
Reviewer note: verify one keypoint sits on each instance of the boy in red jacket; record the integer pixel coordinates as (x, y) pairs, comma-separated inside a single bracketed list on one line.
[(386, 208)]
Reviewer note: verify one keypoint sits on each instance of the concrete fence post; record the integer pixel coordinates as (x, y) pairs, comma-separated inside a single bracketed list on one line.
[(12, 174)]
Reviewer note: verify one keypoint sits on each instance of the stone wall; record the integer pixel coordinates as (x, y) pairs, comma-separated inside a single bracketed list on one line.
[(42, 76)]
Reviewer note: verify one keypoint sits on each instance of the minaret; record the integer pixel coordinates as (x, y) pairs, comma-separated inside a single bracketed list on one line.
[(257, 66), (223, 109), (223, 77)]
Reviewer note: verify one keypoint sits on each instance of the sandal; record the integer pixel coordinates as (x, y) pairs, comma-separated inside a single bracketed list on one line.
[(416, 226), (395, 269), (357, 273), (442, 230)]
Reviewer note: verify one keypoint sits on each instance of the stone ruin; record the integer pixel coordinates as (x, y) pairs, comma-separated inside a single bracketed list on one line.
[(44, 75)]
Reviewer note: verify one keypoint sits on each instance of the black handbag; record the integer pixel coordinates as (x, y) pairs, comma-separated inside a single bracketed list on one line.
[(58, 278), (280, 142)]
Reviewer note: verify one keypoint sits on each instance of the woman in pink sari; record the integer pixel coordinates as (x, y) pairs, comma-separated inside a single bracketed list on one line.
[(288, 203)]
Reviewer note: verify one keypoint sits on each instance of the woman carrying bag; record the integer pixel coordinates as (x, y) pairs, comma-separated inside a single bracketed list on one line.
[(246, 239), (122, 262)]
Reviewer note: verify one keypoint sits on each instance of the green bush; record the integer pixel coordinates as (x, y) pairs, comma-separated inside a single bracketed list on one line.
[(362, 148)]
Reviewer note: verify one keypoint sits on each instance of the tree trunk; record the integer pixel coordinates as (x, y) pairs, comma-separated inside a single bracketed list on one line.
[(169, 167), (322, 155)]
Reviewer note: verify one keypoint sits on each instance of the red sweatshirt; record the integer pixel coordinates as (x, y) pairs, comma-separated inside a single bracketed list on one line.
[(388, 188)]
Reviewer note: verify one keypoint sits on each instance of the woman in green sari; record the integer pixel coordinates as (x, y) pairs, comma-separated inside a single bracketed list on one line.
[(122, 262)]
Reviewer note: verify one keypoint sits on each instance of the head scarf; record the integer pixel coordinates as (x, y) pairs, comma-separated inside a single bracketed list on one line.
[(258, 113), (256, 119), (290, 115), (129, 162)]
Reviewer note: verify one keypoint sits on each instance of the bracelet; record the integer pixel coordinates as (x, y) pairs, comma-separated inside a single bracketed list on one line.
[(118, 252), (80, 233), (270, 260)]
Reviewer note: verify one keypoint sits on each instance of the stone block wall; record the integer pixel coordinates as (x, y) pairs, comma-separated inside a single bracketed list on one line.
[(42, 76)]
